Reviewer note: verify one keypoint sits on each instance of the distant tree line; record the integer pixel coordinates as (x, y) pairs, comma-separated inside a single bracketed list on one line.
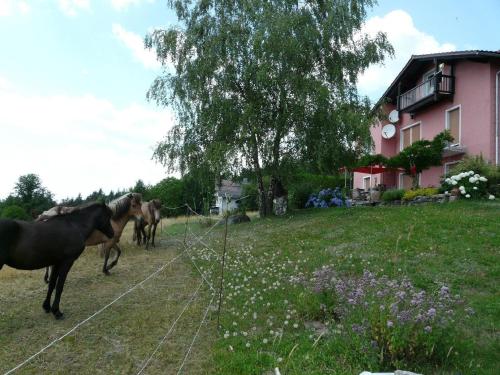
[(30, 198)]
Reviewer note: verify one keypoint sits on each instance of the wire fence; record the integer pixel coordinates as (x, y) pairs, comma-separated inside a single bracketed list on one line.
[(191, 238)]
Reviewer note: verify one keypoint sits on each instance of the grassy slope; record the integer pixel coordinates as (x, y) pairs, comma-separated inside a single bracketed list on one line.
[(120, 338), (456, 244)]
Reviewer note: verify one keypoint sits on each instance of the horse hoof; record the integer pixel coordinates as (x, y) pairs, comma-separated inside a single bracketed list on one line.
[(58, 315), (46, 307), (106, 272)]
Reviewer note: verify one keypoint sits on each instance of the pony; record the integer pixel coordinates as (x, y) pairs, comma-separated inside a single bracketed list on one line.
[(57, 242), (124, 208), (151, 216)]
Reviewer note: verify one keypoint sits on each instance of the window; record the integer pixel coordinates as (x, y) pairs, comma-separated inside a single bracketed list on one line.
[(406, 181), (453, 124), (409, 135), (448, 167), (367, 183)]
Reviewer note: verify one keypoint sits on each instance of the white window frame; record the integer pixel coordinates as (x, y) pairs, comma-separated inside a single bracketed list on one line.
[(369, 178), (400, 179), (446, 167), (411, 140), (447, 125)]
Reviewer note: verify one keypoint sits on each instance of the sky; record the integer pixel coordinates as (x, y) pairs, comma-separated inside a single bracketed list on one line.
[(74, 76)]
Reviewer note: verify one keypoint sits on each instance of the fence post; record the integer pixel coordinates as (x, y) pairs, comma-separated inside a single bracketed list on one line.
[(222, 271), (186, 227)]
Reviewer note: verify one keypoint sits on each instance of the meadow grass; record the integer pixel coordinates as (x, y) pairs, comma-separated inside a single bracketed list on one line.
[(269, 321), (122, 337)]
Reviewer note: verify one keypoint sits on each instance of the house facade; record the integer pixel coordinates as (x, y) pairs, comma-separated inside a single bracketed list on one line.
[(458, 91), (227, 195)]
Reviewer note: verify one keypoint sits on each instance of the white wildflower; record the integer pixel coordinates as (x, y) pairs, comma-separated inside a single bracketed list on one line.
[(491, 197), (467, 196)]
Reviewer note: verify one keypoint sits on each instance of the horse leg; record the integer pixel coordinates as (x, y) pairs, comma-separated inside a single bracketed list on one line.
[(107, 251), (139, 235), (61, 279), (46, 277), (154, 234), (118, 253), (144, 236), (52, 284), (149, 236)]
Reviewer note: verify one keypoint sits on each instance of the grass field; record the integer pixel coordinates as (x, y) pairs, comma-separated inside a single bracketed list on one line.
[(266, 320), (120, 338)]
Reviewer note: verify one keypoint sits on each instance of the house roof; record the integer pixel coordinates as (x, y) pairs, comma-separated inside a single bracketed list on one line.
[(416, 62), (228, 188)]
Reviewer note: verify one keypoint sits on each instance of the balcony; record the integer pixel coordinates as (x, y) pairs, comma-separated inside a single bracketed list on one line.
[(454, 150), (436, 88)]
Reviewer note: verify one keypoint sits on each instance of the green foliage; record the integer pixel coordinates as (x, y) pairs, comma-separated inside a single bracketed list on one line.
[(141, 188), (393, 195), (377, 159), (299, 194), (302, 185), (480, 166), (421, 155), (250, 202), (264, 84), (33, 197), (422, 192), (14, 212), (469, 185), (171, 193)]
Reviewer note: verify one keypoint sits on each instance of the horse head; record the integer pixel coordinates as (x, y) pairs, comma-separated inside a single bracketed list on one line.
[(135, 205), (157, 207)]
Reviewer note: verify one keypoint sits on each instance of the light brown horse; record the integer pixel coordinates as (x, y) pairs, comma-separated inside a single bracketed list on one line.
[(151, 216), (123, 208)]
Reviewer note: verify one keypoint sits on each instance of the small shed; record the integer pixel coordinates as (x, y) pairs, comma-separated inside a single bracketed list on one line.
[(227, 194)]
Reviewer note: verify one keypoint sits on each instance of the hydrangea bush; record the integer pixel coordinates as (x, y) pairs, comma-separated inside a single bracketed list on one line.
[(394, 318), (328, 198), (470, 185)]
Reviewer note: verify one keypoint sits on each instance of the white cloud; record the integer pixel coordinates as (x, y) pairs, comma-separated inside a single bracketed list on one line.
[(78, 144), (406, 39), (135, 43), (124, 4), (72, 7), (11, 7)]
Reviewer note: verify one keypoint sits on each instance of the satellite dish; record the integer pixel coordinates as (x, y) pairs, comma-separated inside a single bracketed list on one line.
[(388, 131), (394, 116)]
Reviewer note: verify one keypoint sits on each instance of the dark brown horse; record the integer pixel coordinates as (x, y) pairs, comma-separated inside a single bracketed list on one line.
[(123, 208), (151, 216), (57, 242)]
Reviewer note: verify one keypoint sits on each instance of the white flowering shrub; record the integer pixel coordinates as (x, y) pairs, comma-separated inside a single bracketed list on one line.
[(470, 185)]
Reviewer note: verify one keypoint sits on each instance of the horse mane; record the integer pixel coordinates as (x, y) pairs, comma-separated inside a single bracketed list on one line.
[(156, 203), (59, 210), (120, 206)]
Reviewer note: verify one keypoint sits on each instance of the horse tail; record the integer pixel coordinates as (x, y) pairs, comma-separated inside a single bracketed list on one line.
[(9, 233)]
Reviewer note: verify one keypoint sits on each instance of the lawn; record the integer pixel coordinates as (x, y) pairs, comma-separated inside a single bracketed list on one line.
[(122, 337), (268, 320)]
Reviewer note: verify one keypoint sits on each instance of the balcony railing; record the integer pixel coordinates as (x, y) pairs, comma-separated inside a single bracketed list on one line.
[(434, 89)]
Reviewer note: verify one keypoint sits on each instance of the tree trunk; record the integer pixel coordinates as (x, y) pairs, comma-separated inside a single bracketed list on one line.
[(415, 181), (262, 194), (262, 198), (270, 195)]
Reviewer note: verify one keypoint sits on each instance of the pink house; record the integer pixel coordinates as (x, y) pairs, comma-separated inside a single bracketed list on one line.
[(458, 91)]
